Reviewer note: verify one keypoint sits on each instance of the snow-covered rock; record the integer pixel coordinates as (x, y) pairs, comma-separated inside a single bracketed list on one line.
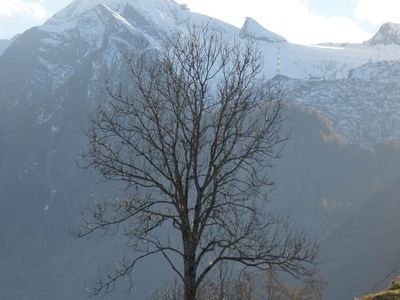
[(388, 33), (364, 108), (380, 71), (252, 29)]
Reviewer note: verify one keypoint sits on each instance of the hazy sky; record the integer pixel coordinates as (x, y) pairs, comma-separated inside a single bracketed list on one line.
[(300, 21)]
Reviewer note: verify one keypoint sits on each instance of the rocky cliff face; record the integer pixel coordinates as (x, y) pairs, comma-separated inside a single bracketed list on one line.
[(252, 29), (389, 33)]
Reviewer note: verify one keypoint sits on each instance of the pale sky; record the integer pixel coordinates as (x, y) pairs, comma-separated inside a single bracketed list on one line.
[(299, 21)]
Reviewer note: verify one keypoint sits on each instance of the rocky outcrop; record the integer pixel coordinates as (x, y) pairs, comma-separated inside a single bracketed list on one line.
[(388, 33), (252, 29)]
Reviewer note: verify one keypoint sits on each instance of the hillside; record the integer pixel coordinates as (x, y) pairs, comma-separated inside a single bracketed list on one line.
[(364, 250), (391, 293), (363, 108)]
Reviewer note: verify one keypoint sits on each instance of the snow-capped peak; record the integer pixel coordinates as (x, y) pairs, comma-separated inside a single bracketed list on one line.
[(252, 29), (147, 8), (388, 33)]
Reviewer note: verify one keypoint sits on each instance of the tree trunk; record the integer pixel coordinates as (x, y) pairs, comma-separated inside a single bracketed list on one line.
[(190, 289), (190, 274)]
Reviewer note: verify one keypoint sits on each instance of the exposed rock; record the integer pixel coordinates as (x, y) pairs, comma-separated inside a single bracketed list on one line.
[(388, 33), (252, 29)]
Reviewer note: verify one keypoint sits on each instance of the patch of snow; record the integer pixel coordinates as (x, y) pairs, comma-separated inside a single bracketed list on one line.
[(327, 47), (42, 118), (325, 204), (51, 41), (56, 73), (304, 62), (117, 16), (58, 27), (381, 71)]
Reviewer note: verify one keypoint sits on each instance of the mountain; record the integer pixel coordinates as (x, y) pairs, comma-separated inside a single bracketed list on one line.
[(330, 178), (365, 248), (3, 45), (388, 33), (322, 62), (364, 108), (52, 77), (383, 71), (252, 29)]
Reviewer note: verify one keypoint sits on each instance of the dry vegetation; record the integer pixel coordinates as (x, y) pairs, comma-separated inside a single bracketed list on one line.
[(391, 293), (247, 286)]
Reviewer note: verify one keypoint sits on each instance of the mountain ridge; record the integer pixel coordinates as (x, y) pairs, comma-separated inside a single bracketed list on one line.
[(254, 30), (388, 33)]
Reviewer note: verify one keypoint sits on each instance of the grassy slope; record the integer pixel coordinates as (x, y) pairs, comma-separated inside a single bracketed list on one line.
[(392, 293)]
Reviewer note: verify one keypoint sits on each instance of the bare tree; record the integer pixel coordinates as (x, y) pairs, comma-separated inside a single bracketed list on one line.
[(193, 137), (258, 285), (311, 288)]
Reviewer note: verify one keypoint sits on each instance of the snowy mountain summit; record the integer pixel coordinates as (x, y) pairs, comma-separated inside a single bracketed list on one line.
[(388, 33), (68, 56), (252, 29), (148, 8), (95, 17)]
